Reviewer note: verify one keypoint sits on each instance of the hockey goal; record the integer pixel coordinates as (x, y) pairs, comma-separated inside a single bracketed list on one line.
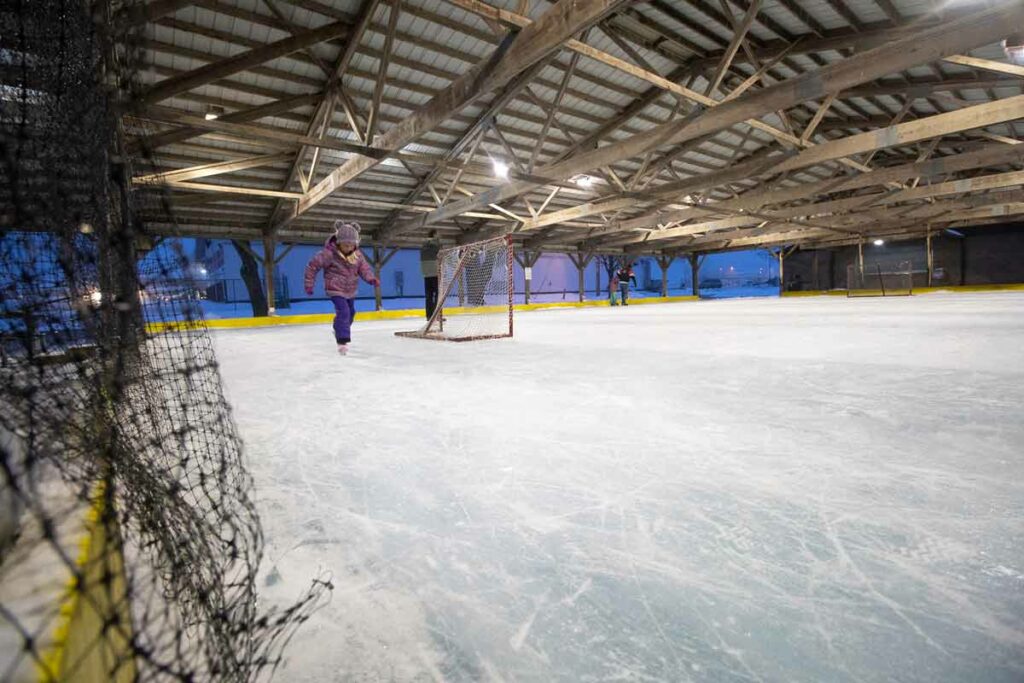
[(474, 300), (875, 281)]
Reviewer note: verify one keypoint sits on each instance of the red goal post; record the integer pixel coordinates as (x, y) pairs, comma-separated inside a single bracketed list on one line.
[(475, 290)]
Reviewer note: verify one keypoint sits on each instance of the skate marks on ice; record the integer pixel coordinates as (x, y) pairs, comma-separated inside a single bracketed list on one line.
[(560, 508)]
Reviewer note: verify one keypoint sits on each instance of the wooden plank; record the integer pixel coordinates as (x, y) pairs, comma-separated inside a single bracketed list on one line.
[(169, 87), (216, 168), (986, 64), (976, 184), (818, 116)]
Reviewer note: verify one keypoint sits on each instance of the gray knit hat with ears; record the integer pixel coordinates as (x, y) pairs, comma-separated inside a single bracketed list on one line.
[(346, 231)]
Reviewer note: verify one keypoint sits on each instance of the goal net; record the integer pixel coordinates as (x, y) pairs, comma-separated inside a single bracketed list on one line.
[(474, 293), (874, 280), (130, 544)]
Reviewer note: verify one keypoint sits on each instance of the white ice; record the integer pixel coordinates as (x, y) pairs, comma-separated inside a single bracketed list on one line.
[(815, 489)]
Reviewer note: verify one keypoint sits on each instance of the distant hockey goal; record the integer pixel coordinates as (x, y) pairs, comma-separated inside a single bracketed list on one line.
[(474, 293), (874, 280)]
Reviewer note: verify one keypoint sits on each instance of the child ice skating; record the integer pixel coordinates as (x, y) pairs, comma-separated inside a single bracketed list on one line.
[(343, 264)]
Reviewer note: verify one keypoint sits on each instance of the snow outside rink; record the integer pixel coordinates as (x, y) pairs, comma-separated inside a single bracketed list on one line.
[(814, 489)]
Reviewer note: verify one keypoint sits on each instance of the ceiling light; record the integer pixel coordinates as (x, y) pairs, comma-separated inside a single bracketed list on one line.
[(214, 113), (584, 181), (500, 169), (878, 242)]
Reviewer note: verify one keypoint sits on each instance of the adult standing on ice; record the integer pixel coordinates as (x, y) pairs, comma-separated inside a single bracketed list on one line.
[(343, 264), (428, 267), (624, 276)]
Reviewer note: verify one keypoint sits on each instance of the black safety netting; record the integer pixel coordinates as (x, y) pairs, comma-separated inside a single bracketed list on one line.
[(129, 541)]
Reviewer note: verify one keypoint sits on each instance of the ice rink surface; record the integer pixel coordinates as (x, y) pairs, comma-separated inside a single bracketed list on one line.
[(814, 489)]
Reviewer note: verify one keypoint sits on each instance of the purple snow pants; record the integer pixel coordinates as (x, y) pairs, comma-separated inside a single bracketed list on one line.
[(344, 314)]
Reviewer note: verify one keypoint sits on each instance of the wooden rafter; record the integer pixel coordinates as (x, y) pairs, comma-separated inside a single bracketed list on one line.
[(949, 38), (517, 53)]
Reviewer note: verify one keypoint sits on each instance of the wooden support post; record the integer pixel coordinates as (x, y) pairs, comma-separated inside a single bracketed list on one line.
[(378, 302), (269, 246), (930, 255), (694, 273), (860, 258), (379, 260), (664, 261), (782, 269), (581, 262), (526, 259), (580, 268)]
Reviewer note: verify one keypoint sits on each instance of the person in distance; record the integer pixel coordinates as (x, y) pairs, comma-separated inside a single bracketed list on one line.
[(625, 276)]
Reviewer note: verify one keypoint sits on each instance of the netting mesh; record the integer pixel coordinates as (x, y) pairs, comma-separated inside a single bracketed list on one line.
[(474, 293), (129, 541), (878, 280)]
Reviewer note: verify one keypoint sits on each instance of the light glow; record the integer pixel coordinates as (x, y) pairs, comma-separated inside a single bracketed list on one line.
[(500, 169), (584, 181), (878, 243)]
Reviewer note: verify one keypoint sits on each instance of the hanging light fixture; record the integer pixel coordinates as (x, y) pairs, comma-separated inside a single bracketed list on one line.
[(1013, 45), (214, 112), (584, 181)]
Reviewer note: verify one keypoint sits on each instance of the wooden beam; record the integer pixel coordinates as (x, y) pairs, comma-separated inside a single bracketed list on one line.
[(324, 112), (739, 35), (169, 87), (979, 116), (948, 38), (225, 189), (167, 115), (382, 71), (274, 108), (514, 55), (212, 169), (818, 116), (796, 217), (993, 155), (555, 104), (987, 65), (486, 118)]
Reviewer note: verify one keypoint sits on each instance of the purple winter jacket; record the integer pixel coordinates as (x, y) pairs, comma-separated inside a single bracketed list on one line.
[(341, 278)]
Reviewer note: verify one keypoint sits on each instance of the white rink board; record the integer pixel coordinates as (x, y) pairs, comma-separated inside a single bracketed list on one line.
[(814, 489)]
